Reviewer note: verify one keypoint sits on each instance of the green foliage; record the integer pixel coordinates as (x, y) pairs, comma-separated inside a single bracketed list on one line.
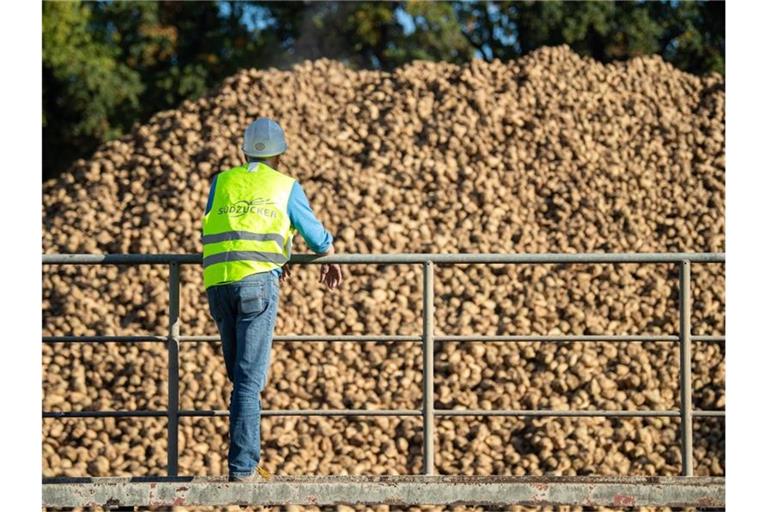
[(366, 34), (85, 85), (353, 32), (110, 64), (689, 34), (436, 36), (86, 68)]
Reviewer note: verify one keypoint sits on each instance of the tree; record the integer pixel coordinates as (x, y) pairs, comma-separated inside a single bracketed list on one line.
[(85, 84), (108, 65), (365, 34), (691, 35), (436, 35)]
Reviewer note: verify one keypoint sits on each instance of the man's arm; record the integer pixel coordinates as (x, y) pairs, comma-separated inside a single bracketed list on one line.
[(317, 237), (210, 200), (210, 195), (303, 219)]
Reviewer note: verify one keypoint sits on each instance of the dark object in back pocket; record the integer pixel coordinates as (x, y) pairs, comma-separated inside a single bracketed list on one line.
[(253, 298)]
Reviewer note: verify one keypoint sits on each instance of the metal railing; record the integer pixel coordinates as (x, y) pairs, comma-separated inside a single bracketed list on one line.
[(686, 413)]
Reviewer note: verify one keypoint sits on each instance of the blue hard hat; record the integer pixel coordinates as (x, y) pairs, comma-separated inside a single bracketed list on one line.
[(264, 138)]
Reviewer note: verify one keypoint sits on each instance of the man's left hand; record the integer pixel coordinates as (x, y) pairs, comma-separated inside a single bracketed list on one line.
[(286, 273)]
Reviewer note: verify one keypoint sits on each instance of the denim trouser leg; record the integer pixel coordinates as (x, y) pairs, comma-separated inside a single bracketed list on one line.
[(245, 313)]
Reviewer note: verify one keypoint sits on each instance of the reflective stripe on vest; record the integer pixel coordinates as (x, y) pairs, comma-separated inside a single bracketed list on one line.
[(247, 229), (242, 235), (244, 255)]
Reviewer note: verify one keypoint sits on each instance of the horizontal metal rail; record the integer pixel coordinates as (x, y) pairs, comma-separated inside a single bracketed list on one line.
[(367, 338), (427, 338), (393, 412), (406, 258), (494, 491)]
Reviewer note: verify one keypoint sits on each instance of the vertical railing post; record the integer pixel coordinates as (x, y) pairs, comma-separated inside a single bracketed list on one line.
[(428, 351), (173, 371), (686, 402)]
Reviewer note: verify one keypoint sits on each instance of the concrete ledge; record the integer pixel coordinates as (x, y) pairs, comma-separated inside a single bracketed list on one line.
[(701, 492)]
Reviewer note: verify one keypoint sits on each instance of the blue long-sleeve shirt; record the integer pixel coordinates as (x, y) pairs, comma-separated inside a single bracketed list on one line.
[(301, 215)]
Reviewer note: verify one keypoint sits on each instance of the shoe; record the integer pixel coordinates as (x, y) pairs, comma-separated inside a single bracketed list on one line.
[(260, 474)]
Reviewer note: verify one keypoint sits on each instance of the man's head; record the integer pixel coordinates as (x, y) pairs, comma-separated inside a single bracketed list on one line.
[(264, 141)]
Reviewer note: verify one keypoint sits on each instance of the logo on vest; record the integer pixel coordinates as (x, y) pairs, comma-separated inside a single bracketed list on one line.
[(259, 206)]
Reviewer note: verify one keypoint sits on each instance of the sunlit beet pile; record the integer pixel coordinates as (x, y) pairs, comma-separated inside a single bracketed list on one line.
[(551, 152)]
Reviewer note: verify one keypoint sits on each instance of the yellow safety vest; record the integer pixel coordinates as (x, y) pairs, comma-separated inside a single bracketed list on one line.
[(247, 229)]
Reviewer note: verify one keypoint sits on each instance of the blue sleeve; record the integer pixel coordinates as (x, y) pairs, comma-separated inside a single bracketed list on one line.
[(210, 195), (303, 219)]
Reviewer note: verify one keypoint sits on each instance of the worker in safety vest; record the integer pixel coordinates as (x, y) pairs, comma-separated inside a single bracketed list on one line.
[(252, 214)]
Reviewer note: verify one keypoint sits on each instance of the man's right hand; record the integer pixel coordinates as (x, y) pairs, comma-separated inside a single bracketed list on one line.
[(330, 273)]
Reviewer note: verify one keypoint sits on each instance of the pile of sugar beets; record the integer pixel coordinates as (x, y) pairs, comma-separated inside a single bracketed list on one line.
[(552, 152)]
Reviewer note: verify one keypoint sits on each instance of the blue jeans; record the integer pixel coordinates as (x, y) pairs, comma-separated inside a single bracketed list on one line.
[(245, 313)]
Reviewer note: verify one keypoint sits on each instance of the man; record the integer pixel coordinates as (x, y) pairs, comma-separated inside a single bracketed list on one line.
[(252, 214)]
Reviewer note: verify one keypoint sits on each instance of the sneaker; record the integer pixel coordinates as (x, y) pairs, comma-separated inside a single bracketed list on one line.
[(260, 474)]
